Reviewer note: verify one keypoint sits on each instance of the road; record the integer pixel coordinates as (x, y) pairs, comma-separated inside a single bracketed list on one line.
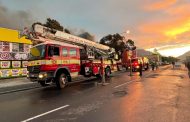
[(158, 96)]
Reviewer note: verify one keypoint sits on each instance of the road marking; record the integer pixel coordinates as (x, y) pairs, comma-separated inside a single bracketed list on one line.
[(45, 113), (125, 83), (132, 81)]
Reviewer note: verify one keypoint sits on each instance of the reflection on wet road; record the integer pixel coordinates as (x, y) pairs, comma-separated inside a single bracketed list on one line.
[(157, 96)]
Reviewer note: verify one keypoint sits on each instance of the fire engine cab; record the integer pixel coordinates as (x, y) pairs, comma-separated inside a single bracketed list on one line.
[(59, 57)]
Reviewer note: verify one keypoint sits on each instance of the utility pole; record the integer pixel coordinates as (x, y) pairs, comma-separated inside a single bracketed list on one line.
[(130, 67), (103, 72)]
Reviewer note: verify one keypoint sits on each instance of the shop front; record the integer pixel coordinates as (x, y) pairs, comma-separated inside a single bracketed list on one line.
[(14, 54)]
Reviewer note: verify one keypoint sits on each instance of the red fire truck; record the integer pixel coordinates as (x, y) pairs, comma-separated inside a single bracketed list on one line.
[(59, 57), (139, 60), (130, 59)]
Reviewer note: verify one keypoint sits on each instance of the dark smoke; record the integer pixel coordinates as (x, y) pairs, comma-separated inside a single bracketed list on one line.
[(87, 35), (82, 33), (15, 19)]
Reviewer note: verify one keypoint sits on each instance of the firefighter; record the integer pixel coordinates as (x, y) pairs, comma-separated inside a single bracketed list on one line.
[(173, 64), (152, 65), (140, 69)]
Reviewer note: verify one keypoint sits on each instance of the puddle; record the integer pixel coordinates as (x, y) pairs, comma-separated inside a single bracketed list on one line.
[(120, 93), (152, 76)]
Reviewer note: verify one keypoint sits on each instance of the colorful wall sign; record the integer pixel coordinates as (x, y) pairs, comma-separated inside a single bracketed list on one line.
[(24, 72), (8, 73), (4, 73), (24, 64), (5, 64), (15, 72), (19, 56), (16, 64), (5, 56)]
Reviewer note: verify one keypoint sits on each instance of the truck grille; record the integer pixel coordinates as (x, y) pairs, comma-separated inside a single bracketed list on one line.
[(33, 69)]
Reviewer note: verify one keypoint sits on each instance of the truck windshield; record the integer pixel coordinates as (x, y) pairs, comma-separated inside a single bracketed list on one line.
[(37, 52)]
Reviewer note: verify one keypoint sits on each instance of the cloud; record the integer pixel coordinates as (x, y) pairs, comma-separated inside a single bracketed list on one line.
[(169, 25), (158, 4)]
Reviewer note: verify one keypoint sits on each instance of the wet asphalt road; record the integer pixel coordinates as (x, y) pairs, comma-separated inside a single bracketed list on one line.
[(159, 96)]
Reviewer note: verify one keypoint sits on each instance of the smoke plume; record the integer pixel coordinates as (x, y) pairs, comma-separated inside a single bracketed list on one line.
[(15, 19)]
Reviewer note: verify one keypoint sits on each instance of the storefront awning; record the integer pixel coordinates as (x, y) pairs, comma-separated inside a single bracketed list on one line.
[(8, 35)]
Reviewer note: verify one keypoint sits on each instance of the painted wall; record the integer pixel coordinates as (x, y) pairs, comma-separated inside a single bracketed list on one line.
[(14, 53)]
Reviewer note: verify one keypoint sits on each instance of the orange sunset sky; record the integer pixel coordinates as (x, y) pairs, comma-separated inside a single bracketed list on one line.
[(170, 25), (152, 23)]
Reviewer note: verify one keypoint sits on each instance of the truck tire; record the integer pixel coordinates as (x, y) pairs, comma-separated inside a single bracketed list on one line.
[(61, 80), (43, 83)]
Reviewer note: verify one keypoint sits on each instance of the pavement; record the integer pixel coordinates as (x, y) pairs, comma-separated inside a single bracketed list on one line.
[(23, 80), (14, 82), (20, 84), (157, 96)]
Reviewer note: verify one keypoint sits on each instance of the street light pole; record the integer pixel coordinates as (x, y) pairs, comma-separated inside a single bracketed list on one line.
[(130, 67)]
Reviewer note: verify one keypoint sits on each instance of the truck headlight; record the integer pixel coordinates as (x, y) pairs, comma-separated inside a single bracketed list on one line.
[(42, 75)]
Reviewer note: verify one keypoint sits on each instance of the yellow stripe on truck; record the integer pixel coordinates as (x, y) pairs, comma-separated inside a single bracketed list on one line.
[(50, 62)]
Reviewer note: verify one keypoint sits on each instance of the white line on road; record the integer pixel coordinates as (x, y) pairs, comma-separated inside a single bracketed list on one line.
[(130, 81), (124, 83), (45, 113)]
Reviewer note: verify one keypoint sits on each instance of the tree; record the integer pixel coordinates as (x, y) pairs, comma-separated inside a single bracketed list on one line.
[(114, 41), (169, 59), (130, 44), (53, 24)]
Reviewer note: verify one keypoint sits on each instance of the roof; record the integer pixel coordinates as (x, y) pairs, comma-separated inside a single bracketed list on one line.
[(8, 35)]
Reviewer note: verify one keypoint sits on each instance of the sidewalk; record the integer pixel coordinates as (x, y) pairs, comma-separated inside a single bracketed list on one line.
[(14, 82)]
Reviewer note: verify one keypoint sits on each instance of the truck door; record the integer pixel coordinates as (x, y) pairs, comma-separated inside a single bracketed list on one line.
[(74, 62), (54, 57), (65, 57)]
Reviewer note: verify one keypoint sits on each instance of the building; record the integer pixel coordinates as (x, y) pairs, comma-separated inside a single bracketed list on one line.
[(14, 53)]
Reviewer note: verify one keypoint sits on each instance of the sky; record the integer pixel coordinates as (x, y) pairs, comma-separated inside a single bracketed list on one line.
[(152, 23)]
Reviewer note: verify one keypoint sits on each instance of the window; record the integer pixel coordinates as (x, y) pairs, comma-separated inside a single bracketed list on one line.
[(64, 52), (21, 47), (4, 47), (53, 51), (1, 46), (26, 48), (37, 52), (56, 51), (15, 47), (73, 52), (18, 47)]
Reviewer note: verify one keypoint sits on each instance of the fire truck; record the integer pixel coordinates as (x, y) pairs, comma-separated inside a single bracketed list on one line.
[(130, 60), (59, 57)]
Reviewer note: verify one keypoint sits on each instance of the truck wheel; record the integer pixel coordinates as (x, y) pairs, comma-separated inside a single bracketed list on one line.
[(43, 83), (107, 72), (61, 80)]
